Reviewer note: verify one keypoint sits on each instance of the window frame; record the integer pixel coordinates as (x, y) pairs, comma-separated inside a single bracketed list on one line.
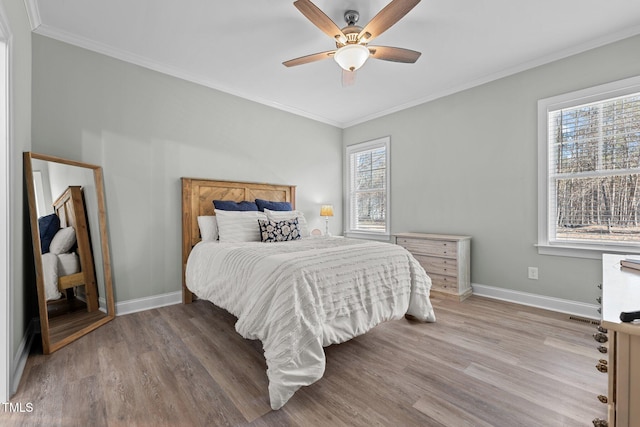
[(349, 231), (545, 245)]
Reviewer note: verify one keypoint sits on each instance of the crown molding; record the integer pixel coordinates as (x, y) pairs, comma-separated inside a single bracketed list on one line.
[(555, 56), (33, 13), (122, 55), (85, 43)]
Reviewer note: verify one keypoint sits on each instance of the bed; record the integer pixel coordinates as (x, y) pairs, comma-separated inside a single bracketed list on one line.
[(67, 269), (298, 296)]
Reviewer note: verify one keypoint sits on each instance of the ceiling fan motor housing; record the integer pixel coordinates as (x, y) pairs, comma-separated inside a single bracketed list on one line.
[(351, 17), (351, 31)]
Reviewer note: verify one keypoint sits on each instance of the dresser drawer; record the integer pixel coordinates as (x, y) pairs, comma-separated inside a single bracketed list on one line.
[(443, 248), (438, 265), (444, 283)]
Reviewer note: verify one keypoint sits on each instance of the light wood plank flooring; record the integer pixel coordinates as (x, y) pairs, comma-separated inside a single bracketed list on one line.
[(484, 363)]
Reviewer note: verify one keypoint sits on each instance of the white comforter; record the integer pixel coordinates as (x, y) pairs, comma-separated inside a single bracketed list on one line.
[(297, 297), (55, 266)]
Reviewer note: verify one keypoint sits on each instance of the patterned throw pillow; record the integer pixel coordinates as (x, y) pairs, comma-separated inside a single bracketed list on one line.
[(280, 215), (279, 231)]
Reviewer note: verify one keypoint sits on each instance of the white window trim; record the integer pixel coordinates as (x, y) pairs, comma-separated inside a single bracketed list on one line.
[(361, 146), (584, 96)]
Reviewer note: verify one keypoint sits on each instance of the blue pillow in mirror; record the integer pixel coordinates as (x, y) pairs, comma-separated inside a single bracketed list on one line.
[(48, 226), (230, 205), (273, 206)]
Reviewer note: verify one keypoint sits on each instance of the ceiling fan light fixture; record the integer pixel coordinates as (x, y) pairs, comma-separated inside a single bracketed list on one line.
[(352, 56)]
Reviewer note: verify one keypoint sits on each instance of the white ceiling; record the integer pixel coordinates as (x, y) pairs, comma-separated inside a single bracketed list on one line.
[(239, 46)]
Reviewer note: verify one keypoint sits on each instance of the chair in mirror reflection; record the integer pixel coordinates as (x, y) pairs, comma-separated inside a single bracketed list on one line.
[(71, 249)]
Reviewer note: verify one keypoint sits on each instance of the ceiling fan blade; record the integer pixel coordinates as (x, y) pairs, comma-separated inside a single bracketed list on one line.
[(320, 20), (348, 78), (388, 16), (309, 58), (394, 54)]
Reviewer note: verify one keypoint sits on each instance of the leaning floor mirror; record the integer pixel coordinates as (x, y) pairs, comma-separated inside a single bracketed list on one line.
[(70, 248)]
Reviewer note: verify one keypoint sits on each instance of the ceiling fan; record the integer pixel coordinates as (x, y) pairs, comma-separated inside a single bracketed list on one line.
[(352, 49)]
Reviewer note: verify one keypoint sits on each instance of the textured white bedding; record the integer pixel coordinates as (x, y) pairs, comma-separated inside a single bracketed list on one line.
[(299, 296), (55, 266), (68, 263), (50, 275)]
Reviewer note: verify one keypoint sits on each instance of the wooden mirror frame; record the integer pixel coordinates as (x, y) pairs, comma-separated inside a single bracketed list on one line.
[(55, 336)]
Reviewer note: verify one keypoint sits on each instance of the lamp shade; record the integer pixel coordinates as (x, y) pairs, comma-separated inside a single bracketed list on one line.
[(352, 56), (326, 210)]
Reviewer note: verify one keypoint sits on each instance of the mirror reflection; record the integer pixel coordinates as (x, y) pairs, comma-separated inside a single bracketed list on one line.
[(68, 223)]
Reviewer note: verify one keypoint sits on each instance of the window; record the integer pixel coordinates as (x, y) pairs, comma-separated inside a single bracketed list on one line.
[(589, 160), (367, 178)]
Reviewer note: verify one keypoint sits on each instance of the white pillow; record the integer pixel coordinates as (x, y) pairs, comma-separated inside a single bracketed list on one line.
[(208, 228), (239, 226), (280, 215), (64, 239)]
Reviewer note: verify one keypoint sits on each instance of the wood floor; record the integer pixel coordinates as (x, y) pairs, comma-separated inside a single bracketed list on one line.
[(484, 363)]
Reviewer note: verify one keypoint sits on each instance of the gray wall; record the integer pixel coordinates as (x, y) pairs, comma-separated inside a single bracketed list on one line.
[(467, 164), (147, 130), (462, 164)]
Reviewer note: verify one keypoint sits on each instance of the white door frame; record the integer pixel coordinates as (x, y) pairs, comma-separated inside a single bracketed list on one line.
[(6, 233)]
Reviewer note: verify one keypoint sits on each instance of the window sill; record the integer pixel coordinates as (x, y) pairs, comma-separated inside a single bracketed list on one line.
[(367, 236), (584, 251)]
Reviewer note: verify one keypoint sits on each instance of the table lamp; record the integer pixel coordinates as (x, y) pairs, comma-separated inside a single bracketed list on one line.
[(326, 211)]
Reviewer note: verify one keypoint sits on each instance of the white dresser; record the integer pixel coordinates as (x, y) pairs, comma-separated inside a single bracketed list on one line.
[(445, 258), (621, 292)]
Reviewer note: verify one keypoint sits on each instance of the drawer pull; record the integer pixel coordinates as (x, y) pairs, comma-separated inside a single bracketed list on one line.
[(602, 398), (600, 337), (603, 330), (602, 348), (599, 285), (602, 361), (600, 310), (602, 368), (597, 422), (599, 300)]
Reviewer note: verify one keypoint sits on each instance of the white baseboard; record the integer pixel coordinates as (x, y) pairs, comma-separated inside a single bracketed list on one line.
[(147, 303), (22, 354), (549, 303)]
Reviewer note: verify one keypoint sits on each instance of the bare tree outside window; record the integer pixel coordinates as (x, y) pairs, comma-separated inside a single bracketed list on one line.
[(368, 186), (594, 171)]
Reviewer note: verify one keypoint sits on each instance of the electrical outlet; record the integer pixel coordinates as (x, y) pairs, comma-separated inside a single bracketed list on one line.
[(533, 273)]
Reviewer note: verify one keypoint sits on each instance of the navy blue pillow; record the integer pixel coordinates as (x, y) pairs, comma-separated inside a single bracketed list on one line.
[(230, 205), (48, 226), (273, 206)]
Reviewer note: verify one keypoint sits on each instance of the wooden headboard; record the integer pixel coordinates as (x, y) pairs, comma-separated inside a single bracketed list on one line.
[(197, 200), (71, 211)]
